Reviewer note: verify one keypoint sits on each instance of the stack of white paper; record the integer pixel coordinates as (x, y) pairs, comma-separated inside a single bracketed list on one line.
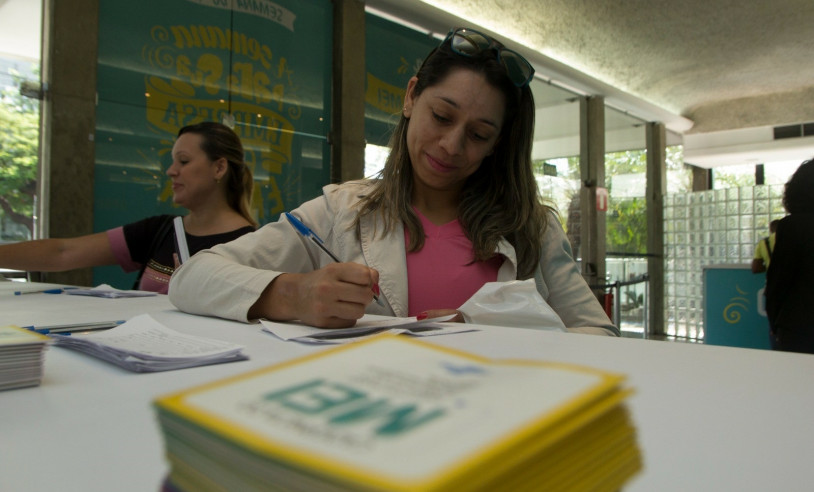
[(145, 345), (21, 357), (109, 292), (370, 324)]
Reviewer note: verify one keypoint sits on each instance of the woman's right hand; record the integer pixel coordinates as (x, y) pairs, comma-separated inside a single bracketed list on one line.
[(334, 296)]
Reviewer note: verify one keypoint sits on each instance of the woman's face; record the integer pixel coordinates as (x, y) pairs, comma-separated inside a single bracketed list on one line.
[(453, 126), (194, 176)]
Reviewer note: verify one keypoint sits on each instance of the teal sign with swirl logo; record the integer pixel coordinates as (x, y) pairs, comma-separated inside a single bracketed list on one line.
[(734, 307)]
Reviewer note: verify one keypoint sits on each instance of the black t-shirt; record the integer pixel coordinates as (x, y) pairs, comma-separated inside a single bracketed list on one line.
[(151, 243), (789, 286)]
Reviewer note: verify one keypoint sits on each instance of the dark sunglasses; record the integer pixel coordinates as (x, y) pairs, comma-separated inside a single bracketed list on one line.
[(469, 42)]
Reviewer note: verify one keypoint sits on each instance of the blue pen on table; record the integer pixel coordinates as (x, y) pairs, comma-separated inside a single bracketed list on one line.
[(74, 327), (309, 234), (43, 291)]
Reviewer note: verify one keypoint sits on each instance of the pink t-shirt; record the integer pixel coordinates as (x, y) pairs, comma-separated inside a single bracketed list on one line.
[(443, 275), (156, 278)]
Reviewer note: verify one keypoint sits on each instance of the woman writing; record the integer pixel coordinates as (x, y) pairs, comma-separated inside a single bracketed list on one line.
[(456, 206), (209, 178)]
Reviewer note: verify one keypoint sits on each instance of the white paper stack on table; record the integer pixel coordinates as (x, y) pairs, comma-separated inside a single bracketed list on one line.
[(22, 353), (108, 292), (370, 324), (398, 414), (142, 344)]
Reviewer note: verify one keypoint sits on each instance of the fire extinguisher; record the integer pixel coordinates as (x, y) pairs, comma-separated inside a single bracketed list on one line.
[(608, 300)]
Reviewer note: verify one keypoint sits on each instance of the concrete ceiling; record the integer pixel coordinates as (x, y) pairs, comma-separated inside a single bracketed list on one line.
[(720, 73)]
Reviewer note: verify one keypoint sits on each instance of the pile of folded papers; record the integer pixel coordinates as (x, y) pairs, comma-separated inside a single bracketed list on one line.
[(22, 353), (142, 344), (399, 414)]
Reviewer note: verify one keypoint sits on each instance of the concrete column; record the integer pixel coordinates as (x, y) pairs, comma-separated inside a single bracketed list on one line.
[(655, 189), (348, 106), (760, 175), (701, 179), (70, 31), (592, 174)]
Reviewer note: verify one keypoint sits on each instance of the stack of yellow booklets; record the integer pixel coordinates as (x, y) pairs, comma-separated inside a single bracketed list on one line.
[(22, 354), (397, 414)]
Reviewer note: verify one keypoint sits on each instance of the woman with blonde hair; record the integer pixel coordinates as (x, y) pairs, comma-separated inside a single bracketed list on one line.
[(209, 178)]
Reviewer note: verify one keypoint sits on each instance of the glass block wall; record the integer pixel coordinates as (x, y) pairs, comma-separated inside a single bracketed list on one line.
[(709, 228)]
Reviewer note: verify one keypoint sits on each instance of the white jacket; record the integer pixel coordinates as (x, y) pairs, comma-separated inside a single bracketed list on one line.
[(227, 280)]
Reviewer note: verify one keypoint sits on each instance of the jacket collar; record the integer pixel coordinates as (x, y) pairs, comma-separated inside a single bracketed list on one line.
[(508, 270)]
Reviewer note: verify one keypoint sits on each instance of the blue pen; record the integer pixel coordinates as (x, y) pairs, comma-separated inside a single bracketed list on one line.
[(68, 328), (46, 291), (309, 234)]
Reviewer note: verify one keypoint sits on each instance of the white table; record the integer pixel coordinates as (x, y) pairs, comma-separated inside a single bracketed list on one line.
[(9, 287), (708, 418)]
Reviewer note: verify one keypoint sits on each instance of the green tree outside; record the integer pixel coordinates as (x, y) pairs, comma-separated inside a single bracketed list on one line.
[(626, 225), (626, 218), (19, 158)]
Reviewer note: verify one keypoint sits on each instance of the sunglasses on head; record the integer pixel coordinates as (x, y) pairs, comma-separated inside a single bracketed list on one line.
[(469, 42)]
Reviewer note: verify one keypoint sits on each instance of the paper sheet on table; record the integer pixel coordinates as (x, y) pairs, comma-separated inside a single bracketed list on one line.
[(145, 345), (369, 324), (109, 292)]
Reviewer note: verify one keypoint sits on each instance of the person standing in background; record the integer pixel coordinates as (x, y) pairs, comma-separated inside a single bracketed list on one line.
[(760, 263), (764, 249), (790, 278)]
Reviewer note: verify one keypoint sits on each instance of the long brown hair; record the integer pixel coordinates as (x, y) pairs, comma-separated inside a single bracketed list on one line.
[(500, 199), (221, 141)]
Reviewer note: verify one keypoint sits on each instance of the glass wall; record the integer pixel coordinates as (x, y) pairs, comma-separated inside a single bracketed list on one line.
[(20, 28), (163, 65), (555, 154), (779, 172), (719, 226), (626, 218), (736, 176), (710, 228)]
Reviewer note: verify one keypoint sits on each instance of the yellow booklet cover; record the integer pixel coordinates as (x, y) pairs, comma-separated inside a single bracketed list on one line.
[(393, 413), (14, 335)]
